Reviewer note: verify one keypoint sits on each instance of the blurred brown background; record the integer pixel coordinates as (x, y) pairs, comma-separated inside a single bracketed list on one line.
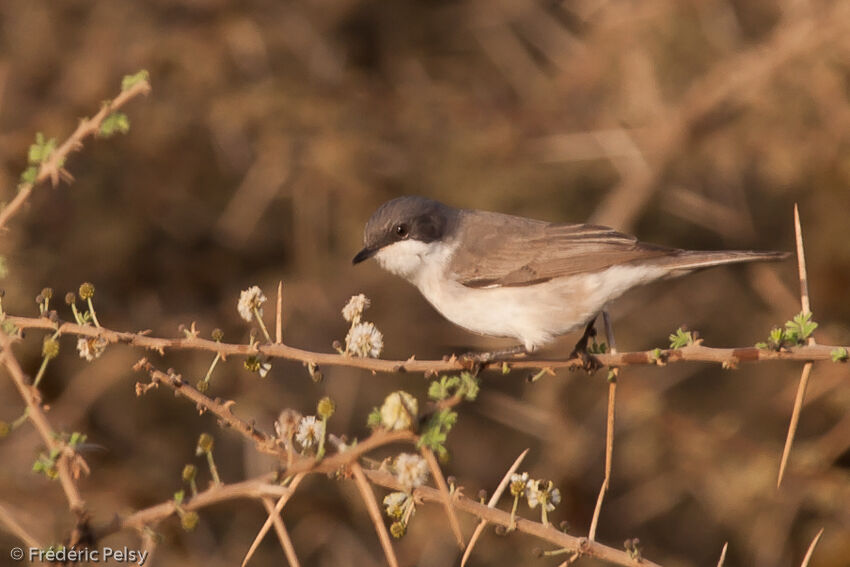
[(273, 131)]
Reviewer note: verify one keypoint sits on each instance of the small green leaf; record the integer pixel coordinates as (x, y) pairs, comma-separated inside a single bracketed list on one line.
[(115, 123), (800, 327), (374, 419), (839, 354), (42, 148), (435, 433), (681, 338), (130, 81), (29, 175), (4, 267), (179, 496)]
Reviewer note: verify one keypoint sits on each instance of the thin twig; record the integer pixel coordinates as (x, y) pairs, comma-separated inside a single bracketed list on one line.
[(273, 515), (811, 549), (609, 428), (374, 513), (53, 166), (503, 485), (731, 357), (36, 415), (807, 367), (16, 529), (282, 534), (440, 480), (549, 533)]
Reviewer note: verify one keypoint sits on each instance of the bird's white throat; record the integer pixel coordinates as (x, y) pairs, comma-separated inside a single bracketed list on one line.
[(411, 259)]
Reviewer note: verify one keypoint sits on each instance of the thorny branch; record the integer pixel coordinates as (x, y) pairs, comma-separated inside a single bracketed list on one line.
[(265, 485), (728, 357), (53, 165)]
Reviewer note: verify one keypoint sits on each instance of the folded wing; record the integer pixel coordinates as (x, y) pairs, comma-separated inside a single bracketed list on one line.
[(503, 250)]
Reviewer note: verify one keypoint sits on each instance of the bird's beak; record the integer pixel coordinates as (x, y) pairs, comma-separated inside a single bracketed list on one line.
[(364, 254)]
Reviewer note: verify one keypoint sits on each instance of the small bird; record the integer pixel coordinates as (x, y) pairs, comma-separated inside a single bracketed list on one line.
[(513, 277)]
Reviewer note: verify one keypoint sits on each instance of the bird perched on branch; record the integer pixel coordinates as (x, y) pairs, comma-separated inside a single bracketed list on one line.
[(508, 276)]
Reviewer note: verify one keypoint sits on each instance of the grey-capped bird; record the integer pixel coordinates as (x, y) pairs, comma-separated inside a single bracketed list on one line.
[(508, 276)]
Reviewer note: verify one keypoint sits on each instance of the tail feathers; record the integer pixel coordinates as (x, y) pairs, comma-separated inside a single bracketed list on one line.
[(689, 260)]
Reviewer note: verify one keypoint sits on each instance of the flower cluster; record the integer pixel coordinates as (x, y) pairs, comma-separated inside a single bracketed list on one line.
[(308, 431), (251, 303), (355, 307), (363, 338), (411, 470), (537, 493)]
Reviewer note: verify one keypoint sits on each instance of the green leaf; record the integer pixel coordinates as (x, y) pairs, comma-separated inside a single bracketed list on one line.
[(130, 81), (4, 267), (179, 496), (435, 433), (464, 386), (115, 123), (42, 148), (30, 174), (681, 338), (839, 354), (800, 327), (374, 419)]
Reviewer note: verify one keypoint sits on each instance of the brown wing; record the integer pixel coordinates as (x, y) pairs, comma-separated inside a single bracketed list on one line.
[(503, 250)]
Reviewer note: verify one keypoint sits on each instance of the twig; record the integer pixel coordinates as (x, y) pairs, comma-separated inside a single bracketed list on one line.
[(479, 529), (609, 429), (811, 549), (807, 367), (36, 415), (16, 529), (440, 480), (53, 166), (374, 513), (691, 353), (273, 515), (499, 517), (282, 535)]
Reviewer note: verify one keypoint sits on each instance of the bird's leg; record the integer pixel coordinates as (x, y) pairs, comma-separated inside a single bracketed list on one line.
[(588, 362)]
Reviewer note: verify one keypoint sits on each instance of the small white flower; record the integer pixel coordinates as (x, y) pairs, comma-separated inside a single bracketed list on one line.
[(286, 424), (399, 411), (411, 470), (91, 347), (543, 493), (519, 482), (395, 502), (309, 431), (265, 367), (364, 340), (250, 299), (355, 308)]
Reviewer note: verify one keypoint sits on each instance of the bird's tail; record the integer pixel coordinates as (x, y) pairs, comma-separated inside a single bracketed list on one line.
[(690, 260)]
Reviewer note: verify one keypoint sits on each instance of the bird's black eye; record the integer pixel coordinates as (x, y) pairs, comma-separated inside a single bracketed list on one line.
[(401, 230)]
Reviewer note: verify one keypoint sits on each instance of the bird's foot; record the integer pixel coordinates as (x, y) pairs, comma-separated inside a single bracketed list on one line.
[(475, 361), (589, 363)]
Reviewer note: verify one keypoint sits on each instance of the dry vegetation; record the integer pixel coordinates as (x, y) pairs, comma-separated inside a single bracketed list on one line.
[(273, 131)]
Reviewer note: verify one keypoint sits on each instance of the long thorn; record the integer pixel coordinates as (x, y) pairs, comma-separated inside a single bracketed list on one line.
[(807, 367), (374, 513), (440, 480), (278, 320), (270, 520)]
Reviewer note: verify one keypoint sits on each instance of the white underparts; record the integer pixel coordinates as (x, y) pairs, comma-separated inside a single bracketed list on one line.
[(533, 315)]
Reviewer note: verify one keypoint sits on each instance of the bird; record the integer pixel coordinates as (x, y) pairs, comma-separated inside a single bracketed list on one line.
[(513, 277)]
